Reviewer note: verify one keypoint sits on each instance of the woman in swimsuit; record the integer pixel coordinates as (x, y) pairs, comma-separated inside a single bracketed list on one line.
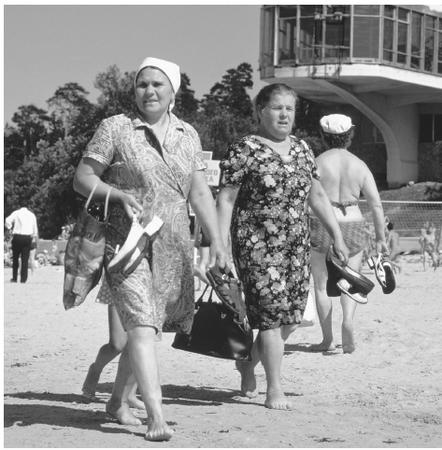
[(344, 178)]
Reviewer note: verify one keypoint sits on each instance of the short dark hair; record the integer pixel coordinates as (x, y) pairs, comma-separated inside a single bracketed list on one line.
[(390, 226), (342, 140), (266, 93)]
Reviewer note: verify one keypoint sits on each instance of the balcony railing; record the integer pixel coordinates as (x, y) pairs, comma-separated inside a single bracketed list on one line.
[(397, 35)]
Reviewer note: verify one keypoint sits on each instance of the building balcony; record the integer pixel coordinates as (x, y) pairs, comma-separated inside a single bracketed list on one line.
[(395, 50)]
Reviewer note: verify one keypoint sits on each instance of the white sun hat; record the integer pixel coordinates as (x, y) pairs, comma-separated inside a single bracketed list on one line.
[(335, 123), (171, 70)]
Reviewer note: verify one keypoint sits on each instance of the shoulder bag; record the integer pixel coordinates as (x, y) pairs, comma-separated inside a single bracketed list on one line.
[(83, 263)]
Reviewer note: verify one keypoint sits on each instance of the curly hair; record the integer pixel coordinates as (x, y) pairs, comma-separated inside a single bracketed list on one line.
[(342, 140)]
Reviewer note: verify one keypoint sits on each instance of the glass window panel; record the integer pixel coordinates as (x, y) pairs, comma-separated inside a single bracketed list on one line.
[(344, 9), (415, 62), (401, 58), (388, 56), (402, 37), (416, 33), (388, 34), (309, 10), (367, 10), (438, 127), (287, 11), (308, 30), (440, 23), (430, 21), (366, 37), (429, 50), (389, 11), (338, 33), (426, 128), (403, 14)]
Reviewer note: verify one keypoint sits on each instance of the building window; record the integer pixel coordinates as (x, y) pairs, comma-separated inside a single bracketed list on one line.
[(402, 36), (430, 32), (416, 33), (430, 127), (438, 127), (366, 38), (388, 39)]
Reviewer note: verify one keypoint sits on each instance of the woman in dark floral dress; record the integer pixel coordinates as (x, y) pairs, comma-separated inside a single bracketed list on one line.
[(268, 181)]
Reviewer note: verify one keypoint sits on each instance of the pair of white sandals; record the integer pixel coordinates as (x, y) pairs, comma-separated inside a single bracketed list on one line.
[(383, 270), (384, 273), (127, 257)]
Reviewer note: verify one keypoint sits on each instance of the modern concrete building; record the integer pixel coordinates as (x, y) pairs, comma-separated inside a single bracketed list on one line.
[(381, 64)]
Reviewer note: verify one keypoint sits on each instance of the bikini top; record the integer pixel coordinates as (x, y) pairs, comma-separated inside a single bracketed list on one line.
[(343, 205)]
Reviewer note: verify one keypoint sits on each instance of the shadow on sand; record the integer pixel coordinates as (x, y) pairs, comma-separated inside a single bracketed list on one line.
[(76, 416)]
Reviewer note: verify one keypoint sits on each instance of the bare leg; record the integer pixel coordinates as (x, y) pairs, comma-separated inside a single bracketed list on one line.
[(118, 406), (324, 305), (247, 371), (271, 350), (348, 311), (143, 359), (117, 341), (132, 399)]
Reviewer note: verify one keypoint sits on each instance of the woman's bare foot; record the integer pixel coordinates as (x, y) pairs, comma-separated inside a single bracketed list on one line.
[(158, 431), (248, 379), (135, 402), (91, 381), (277, 400), (348, 344), (322, 347), (123, 414)]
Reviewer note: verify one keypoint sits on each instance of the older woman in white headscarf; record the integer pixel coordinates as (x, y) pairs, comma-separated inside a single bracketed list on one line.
[(153, 163)]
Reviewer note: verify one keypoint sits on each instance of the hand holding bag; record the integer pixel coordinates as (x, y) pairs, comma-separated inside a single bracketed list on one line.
[(228, 290), (216, 332), (84, 255)]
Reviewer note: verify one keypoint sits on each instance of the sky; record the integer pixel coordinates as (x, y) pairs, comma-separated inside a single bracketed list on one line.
[(46, 46)]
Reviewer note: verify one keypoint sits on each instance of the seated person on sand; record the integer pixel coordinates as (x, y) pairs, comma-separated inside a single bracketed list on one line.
[(428, 243), (344, 178)]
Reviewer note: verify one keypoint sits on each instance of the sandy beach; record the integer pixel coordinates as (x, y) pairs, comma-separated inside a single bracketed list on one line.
[(386, 394)]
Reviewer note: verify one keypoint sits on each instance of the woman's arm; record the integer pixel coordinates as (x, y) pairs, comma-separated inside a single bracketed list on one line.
[(322, 207), (225, 202), (88, 175), (371, 194), (203, 204)]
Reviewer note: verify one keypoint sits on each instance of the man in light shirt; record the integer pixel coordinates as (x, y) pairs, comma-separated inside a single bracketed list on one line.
[(23, 224)]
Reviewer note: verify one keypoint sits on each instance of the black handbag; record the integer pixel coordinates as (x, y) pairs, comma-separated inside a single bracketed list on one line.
[(216, 331)]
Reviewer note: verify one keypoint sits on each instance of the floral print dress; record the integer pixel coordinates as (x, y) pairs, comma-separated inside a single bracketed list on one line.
[(269, 228), (160, 292)]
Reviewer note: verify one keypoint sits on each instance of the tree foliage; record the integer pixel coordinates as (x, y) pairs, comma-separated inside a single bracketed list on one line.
[(43, 147)]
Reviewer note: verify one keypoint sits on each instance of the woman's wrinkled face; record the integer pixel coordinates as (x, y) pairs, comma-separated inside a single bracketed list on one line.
[(153, 93), (278, 116)]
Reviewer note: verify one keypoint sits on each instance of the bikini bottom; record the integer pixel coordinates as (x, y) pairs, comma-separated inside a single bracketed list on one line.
[(353, 232)]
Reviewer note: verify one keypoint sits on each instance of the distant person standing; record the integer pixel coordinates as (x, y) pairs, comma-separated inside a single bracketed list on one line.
[(23, 225)]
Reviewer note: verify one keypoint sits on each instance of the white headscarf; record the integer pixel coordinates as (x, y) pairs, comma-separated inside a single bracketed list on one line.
[(170, 69)]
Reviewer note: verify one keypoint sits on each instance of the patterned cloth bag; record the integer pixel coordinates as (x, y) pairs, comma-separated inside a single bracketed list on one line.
[(83, 263)]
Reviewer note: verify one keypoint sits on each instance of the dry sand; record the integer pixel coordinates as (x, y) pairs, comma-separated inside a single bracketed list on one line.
[(386, 394)]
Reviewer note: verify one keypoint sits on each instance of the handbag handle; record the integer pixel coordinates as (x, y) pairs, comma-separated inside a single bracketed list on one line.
[(201, 297), (106, 202)]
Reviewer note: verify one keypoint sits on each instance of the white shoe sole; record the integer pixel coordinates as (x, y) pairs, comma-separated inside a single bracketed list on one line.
[(345, 287), (133, 246)]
